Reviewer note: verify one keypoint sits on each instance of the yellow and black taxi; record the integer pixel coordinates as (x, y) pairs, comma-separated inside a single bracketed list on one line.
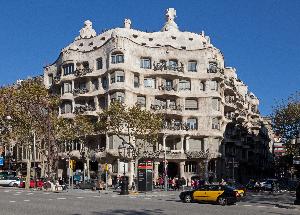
[(220, 194)]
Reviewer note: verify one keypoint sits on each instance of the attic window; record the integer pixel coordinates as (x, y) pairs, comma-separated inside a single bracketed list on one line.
[(81, 44), (183, 47), (102, 38), (190, 39), (174, 38), (135, 36), (143, 44), (150, 39), (91, 43), (158, 45)]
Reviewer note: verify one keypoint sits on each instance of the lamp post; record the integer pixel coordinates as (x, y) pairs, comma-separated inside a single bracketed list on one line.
[(124, 185)]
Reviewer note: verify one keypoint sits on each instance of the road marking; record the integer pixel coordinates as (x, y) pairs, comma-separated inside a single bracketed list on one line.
[(12, 201), (61, 198), (46, 193), (17, 194), (113, 196), (79, 197), (26, 200), (6, 191), (132, 197), (147, 198), (29, 194), (50, 199), (96, 196), (261, 206), (247, 205)]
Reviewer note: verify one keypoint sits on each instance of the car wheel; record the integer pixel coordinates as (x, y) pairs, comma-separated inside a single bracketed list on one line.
[(15, 185), (187, 199), (222, 201)]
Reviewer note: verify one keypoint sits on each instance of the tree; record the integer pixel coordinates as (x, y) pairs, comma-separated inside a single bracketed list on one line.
[(286, 120), (136, 127), (33, 111)]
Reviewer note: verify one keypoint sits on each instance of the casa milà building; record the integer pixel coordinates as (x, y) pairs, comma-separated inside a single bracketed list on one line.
[(179, 74)]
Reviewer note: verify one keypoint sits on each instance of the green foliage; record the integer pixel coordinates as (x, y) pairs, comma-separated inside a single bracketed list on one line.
[(140, 126), (286, 120)]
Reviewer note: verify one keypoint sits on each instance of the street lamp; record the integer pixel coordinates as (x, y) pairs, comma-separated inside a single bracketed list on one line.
[(122, 153)]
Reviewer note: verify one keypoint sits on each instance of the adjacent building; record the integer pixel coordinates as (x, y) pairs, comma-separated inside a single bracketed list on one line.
[(212, 126)]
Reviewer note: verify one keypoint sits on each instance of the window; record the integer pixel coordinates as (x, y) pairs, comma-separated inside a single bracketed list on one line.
[(117, 76), (68, 69), (173, 64), (95, 84), (190, 166), (141, 101), (50, 79), (146, 63), (215, 123), (136, 81), (102, 102), (66, 108), (192, 123), (213, 67), (67, 87), (118, 96), (99, 63), (184, 85), (192, 66), (104, 82), (216, 104), (149, 83), (80, 85), (214, 85), (191, 104), (117, 58), (202, 86)]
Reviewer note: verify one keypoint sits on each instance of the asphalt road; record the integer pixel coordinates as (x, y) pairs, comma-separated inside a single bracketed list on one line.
[(23, 202)]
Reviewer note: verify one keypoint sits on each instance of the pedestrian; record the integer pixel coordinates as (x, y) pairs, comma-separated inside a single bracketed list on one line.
[(132, 185)]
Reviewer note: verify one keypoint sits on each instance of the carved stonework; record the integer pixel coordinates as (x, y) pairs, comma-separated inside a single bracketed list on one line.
[(87, 31), (197, 154), (170, 24)]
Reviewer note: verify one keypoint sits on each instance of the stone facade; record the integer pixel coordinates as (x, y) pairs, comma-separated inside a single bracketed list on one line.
[(179, 74)]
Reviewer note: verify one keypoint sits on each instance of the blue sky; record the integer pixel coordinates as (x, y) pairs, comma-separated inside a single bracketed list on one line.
[(260, 38)]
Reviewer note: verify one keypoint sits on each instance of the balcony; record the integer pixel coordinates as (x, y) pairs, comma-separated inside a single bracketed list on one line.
[(175, 125), (56, 79), (78, 91), (167, 88), (82, 72), (165, 107), (230, 115), (164, 66), (83, 108)]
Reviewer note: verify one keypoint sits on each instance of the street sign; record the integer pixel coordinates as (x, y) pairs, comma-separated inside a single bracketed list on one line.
[(1, 161)]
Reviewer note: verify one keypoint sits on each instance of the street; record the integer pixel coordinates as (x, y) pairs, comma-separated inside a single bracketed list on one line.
[(78, 202)]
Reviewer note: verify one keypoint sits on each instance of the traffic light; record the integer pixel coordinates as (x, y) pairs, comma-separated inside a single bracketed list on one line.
[(72, 164)]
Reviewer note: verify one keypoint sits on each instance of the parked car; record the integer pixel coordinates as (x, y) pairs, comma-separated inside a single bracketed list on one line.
[(269, 184), (91, 185), (7, 181), (220, 194)]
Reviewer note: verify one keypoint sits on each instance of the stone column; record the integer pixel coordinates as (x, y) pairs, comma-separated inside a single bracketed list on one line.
[(181, 169), (130, 172), (96, 101), (187, 144), (182, 141), (109, 179), (206, 169), (107, 141), (119, 168), (88, 168), (155, 175)]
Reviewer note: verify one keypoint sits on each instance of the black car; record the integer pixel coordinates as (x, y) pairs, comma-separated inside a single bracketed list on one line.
[(219, 194)]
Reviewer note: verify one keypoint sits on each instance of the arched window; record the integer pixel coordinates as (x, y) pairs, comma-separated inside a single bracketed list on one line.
[(184, 85), (192, 66), (117, 57), (192, 123), (215, 123), (191, 104), (66, 107), (99, 63), (202, 86), (145, 63)]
